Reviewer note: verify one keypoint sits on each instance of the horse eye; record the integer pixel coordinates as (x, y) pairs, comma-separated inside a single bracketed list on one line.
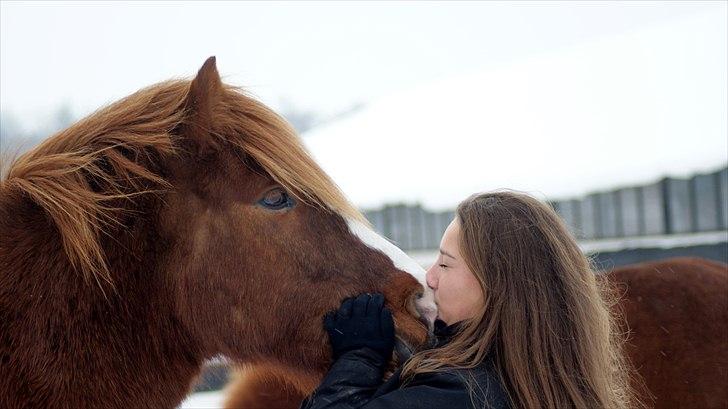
[(276, 199)]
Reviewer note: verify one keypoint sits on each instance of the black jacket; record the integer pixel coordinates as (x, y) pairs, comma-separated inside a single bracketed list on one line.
[(355, 381)]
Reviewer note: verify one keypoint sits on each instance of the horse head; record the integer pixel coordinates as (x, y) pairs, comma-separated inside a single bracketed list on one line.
[(182, 222), (265, 243)]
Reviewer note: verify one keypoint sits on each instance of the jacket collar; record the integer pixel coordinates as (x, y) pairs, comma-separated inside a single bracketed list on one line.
[(444, 333)]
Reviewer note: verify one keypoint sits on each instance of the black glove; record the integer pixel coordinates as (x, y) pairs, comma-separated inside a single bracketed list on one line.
[(361, 322)]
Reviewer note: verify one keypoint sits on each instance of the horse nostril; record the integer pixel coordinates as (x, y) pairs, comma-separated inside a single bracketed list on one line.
[(422, 306)]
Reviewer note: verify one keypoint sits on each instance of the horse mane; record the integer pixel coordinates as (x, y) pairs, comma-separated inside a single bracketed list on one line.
[(268, 139), (80, 175)]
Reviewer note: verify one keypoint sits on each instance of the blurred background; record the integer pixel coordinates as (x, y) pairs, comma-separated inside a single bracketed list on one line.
[(614, 112)]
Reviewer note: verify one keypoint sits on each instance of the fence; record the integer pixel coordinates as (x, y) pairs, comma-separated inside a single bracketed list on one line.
[(670, 206)]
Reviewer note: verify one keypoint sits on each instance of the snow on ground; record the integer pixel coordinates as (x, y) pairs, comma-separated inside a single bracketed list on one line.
[(619, 110), (204, 400)]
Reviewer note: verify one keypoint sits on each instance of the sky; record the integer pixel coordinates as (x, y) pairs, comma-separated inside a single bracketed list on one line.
[(319, 56), (591, 76)]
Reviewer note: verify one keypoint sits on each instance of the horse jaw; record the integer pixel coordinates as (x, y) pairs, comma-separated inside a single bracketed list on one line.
[(426, 304)]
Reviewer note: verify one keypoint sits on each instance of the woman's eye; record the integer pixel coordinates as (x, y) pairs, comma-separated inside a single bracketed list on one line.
[(443, 265), (276, 199)]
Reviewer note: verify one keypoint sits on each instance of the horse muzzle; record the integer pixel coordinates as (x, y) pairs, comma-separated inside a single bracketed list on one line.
[(422, 306)]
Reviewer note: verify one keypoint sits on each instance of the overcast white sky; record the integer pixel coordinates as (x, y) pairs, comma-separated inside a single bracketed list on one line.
[(594, 78), (319, 56)]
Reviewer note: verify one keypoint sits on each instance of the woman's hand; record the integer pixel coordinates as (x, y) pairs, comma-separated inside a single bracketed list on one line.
[(361, 322)]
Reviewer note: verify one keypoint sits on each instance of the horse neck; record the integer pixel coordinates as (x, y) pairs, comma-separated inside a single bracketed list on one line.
[(63, 343)]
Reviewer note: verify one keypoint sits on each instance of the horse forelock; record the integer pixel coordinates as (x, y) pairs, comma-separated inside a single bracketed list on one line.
[(269, 140), (80, 174)]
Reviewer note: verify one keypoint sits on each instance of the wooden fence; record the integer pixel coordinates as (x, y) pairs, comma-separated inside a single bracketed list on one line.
[(670, 206)]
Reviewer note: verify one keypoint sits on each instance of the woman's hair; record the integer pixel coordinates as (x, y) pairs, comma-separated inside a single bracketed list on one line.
[(546, 321)]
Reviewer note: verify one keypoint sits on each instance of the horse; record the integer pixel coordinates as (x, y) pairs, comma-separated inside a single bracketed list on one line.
[(183, 222), (674, 313)]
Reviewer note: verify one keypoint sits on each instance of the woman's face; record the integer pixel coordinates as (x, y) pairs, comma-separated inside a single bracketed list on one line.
[(457, 292)]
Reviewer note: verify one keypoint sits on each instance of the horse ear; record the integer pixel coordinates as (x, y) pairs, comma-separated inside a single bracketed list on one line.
[(204, 94)]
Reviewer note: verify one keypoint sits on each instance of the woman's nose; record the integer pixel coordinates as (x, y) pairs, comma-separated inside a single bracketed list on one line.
[(431, 278)]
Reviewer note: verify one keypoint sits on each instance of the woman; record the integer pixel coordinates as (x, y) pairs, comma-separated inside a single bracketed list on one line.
[(522, 323)]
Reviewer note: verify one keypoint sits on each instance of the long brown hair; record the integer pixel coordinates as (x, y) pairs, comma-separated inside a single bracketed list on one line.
[(545, 321)]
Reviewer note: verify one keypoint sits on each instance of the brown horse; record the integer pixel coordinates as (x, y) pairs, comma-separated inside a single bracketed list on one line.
[(676, 314), (183, 222)]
